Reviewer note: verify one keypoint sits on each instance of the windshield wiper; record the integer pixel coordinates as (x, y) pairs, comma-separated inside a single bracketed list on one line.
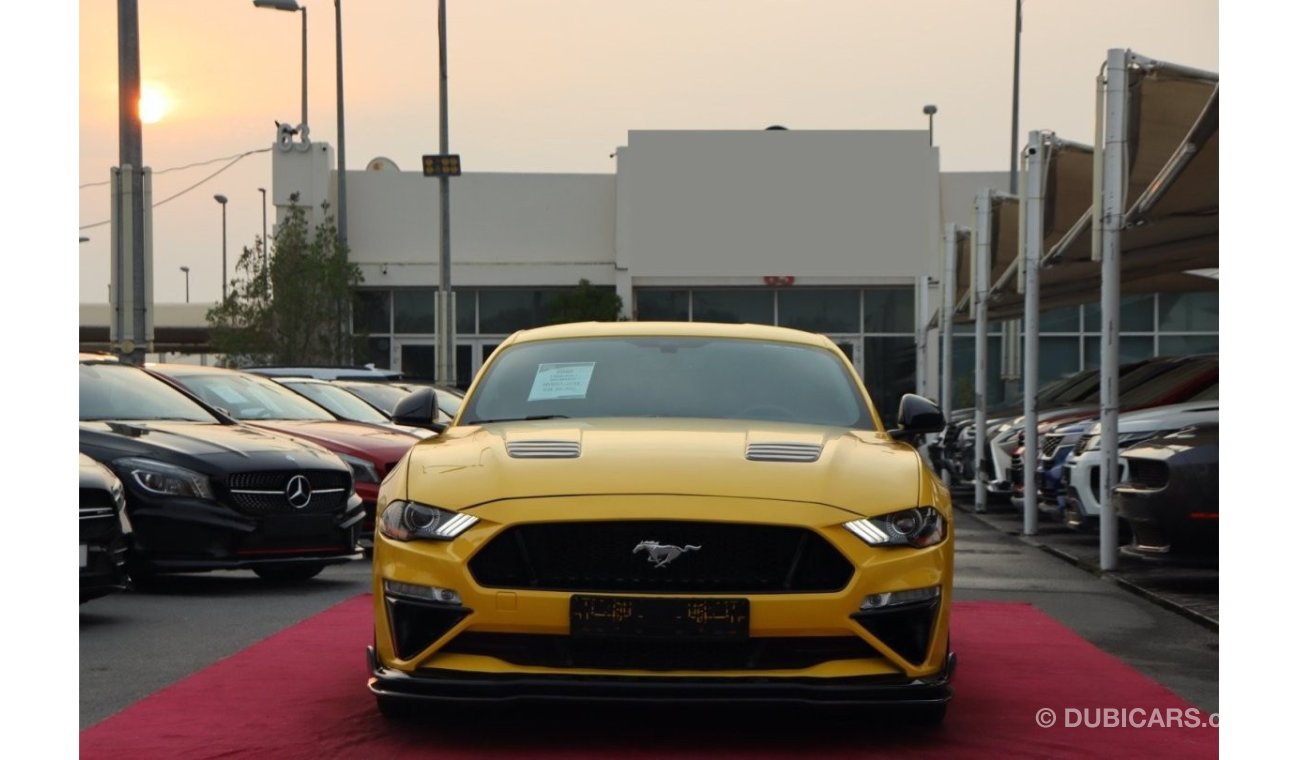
[(519, 419)]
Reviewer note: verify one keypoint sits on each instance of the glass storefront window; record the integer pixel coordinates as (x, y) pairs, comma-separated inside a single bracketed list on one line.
[(1063, 320), (663, 305), (735, 306), (1180, 345), (501, 312), (1189, 312), (963, 365), (465, 301), (889, 371), (371, 311), (1135, 314), (414, 310), (1057, 357), (821, 311), (888, 310), (376, 351), (1131, 348)]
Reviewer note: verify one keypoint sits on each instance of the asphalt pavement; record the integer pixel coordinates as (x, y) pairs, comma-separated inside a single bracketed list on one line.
[(1188, 586)]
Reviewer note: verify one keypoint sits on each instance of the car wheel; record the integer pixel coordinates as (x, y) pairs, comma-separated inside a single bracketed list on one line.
[(288, 573), (141, 577)]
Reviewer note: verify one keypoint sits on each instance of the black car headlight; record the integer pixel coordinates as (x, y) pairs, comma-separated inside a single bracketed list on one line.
[(162, 479), (410, 521), (918, 527), (362, 471)]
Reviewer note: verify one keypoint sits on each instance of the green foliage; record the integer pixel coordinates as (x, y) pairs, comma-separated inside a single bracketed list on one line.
[(585, 303), (294, 308)]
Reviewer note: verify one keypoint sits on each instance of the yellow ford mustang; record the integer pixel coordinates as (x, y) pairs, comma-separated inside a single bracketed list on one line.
[(664, 511)]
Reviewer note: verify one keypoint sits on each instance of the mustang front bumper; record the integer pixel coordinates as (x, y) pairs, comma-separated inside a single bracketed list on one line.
[(459, 686)]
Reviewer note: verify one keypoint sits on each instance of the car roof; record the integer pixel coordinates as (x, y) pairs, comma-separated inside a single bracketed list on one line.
[(324, 372), (668, 329)]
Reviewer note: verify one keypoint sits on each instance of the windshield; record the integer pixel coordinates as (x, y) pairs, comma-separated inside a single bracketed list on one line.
[(122, 392), (339, 401), (1157, 389), (250, 397), (669, 377), (381, 395)]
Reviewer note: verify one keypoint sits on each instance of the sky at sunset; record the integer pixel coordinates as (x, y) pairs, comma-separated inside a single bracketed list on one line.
[(556, 86)]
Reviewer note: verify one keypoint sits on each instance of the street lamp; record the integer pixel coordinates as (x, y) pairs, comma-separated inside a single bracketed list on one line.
[(219, 198), (186, 270), (1015, 107), (931, 110), (292, 6)]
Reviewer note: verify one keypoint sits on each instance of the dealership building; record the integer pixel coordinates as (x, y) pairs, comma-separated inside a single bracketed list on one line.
[(836, 232)]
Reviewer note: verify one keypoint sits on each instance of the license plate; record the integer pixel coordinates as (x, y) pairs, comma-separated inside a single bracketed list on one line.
[(85, 555), (658, 617)]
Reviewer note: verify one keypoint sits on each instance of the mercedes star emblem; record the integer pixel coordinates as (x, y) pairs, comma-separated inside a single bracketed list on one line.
[(298, 492)]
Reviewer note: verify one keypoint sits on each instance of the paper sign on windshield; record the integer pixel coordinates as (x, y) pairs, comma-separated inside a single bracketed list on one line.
[(561, 381)]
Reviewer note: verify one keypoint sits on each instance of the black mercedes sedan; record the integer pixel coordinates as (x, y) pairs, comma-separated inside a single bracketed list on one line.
[(204, 492), (102, 526)]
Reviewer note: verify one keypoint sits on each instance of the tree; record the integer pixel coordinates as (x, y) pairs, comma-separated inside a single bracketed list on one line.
[(585, 303), (296, 308)]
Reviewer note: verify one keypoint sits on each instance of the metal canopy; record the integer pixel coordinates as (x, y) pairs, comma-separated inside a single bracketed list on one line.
[(1172, 222)]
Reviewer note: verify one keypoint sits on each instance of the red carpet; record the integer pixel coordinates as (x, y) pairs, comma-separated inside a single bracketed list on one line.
[(301, 694)]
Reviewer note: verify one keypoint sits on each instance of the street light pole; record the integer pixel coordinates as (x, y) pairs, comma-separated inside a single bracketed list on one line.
[(292, 6), (343, 162), (219, 198), (931, 110), (446, 314), (186, 270), (1015, 108)]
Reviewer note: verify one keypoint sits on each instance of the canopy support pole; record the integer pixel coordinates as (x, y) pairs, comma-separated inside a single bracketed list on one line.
[(980, 277), (1114, 179), (1032, 208)]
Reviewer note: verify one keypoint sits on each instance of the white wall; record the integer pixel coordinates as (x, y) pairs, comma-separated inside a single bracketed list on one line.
[(507, 229), (735, 206)]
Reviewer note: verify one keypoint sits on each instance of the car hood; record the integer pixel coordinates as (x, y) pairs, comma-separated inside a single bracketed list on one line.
[(379, 444), (863, 472), (207, 447)]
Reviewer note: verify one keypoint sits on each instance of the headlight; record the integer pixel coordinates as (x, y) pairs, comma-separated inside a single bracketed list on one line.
[(918, 527), (362, 471), (408, 521), (165, 479), (1125, 439)]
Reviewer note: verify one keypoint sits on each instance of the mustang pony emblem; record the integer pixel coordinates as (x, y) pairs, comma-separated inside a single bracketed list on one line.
[(661, 554)]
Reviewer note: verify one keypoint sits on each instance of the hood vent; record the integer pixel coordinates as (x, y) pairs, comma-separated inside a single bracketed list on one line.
[(783, 452), (544, 449)]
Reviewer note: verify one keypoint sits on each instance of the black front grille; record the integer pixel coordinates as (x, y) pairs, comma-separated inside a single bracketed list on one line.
[(263, 493), (1050, 444), (784, 653), (1147, 473), (603, 556)]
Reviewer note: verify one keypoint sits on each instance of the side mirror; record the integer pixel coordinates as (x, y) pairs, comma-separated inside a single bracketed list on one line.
[(419, 409), (917, 416)]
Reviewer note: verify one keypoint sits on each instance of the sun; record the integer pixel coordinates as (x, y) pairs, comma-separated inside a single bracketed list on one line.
[(153, 104)]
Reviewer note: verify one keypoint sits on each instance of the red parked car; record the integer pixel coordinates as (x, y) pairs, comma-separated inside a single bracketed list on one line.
[(370, 450)]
